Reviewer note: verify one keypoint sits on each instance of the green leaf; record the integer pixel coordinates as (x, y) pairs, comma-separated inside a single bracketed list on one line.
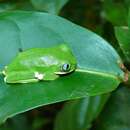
[(19, 122), (123, 37), (98, 63), (79, 114), (51, 6), (9, 36), (4, 6), (116, 115), (16, 5), (116, 11)]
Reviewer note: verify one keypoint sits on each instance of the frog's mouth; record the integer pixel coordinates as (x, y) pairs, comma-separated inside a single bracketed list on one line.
[(62, 72)]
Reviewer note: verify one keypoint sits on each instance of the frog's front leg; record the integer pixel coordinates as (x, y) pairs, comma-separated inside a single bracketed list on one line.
[(50, 76), (21, 77), (46, 76)]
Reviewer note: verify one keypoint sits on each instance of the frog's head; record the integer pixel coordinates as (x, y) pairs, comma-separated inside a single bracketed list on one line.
[(67, 60)]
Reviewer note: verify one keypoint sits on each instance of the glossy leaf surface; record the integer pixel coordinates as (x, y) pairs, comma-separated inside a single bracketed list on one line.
[(51, 6), (98, 69), (116, 115), (79, 114)]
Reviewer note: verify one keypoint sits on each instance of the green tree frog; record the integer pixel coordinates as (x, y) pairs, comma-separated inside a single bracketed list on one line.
[(37, 64)]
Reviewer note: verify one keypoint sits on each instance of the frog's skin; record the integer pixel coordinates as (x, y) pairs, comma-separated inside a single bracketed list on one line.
[(40, 64)]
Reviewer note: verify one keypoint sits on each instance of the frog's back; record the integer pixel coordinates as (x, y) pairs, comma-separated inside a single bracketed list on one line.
[(31, 58), (35, 52), (28, 55), (40, 57)]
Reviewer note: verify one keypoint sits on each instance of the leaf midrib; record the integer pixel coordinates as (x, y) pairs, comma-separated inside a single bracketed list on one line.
[(103, 74)]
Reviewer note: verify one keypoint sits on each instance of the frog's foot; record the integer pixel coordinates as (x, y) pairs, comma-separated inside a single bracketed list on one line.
[(5, 79), (39, 76), (6, 67), (4, 71)]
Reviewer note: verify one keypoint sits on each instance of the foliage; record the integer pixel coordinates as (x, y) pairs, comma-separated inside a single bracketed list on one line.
[(115, 115), (41, 93), (79, 114), (100, 69)]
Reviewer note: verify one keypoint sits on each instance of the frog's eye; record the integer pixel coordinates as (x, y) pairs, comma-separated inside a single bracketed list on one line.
[(65, 67)]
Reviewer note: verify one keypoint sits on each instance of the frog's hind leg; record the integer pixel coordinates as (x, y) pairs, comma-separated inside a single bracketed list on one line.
[(21, 77)]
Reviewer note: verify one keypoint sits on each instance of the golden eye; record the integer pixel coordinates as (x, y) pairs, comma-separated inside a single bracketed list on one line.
[(65, 67)]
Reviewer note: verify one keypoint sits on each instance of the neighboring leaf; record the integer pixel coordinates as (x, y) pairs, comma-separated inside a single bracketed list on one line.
[(98, 64), (16, 5), (51, 6), (24, 5), (19, 122), (123, 37), (79, 114), (116, 114), (116, 11), (4, 6), (39, 122)]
